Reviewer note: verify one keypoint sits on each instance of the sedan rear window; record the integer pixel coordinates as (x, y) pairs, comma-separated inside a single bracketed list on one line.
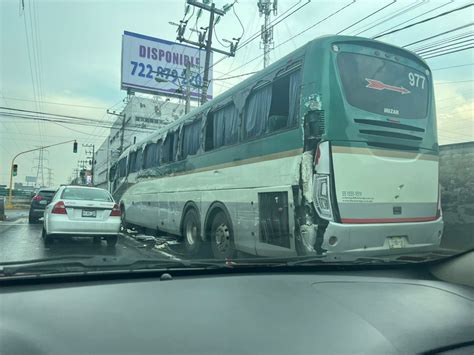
[(47, 194), (72, 193)]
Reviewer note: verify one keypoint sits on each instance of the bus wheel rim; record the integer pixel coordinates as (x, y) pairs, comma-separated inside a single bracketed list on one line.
[(191, 231), (222, 238)]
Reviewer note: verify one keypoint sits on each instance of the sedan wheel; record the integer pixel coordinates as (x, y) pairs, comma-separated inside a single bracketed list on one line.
[(111, 240), (47, 239)]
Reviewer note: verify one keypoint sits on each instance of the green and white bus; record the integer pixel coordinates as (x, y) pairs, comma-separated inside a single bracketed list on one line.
[(332, 148)]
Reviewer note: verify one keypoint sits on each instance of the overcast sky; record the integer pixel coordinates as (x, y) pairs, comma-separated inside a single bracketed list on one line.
[(76, 67)]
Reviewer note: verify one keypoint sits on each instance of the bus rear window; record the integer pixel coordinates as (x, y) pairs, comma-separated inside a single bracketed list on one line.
[(383, 87)]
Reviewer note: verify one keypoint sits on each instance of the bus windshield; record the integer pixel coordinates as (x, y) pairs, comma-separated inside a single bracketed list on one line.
[(383, 87)]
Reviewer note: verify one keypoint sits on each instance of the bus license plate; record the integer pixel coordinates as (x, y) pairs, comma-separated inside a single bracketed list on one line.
[(396, 242), (88, 213)]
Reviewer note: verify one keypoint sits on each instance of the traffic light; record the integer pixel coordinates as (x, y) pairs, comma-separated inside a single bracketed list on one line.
[(15, 169), (74, 147)]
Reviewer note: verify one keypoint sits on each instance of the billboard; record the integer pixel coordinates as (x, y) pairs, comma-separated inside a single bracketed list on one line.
[(156, 66)]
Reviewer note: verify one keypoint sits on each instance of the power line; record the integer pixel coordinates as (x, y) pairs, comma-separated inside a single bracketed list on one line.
[(237, 76), (57, 120), (437, 35), (296, 35), (448, 52), (454, 82), (59, 103), (445, 47), (422, 21), (386, 18), (257, 34), (453, 66), (438, 43), (424, 2), (366, 17)]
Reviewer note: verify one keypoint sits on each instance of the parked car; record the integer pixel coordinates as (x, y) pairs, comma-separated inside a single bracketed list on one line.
[(38, 204), (82, 211)]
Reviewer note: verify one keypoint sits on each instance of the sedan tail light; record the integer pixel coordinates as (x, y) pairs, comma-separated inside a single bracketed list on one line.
[(116, 211), (37, 198), (59, 208)]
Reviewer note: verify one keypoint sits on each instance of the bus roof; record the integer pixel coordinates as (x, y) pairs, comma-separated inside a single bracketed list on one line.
[(298, 53)]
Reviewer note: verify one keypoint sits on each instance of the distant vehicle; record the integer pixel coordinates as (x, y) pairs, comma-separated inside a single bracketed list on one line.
[(38, 204), (332, 148), (81, 211)]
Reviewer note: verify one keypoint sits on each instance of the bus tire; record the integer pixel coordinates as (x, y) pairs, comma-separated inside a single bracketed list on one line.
[(222, 237), (192, 233)]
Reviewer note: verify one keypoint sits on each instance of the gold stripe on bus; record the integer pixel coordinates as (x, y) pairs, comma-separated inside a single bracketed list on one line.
[(280, 155), (383, 153)]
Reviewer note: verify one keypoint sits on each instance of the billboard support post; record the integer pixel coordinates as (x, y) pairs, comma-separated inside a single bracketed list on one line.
[(188, 88)]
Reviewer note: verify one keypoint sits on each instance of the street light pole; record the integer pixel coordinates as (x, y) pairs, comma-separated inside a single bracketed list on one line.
[(9, 203)]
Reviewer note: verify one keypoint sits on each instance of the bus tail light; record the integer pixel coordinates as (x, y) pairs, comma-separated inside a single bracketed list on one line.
[(116, 211), (322, 196), (59, 208), (317, 156)]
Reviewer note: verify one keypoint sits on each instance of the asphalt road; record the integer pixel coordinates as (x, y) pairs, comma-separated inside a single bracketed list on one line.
[(22, 241)]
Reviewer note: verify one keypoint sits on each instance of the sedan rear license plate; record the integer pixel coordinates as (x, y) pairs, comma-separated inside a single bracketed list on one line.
[(396, 242), (43, 202), (89, 213)]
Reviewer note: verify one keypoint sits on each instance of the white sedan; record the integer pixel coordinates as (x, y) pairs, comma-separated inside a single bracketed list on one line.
[(80, 211)]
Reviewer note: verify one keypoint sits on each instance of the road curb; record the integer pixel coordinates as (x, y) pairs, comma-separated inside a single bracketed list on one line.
[(12, 219)]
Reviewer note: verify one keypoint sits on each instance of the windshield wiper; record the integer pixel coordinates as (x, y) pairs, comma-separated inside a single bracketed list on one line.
[(87, 264)]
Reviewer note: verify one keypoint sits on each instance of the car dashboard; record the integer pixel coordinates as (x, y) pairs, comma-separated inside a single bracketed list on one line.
[(334, 312)]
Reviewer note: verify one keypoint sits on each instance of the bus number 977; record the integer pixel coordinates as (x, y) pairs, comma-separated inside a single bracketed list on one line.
[(416, 80)]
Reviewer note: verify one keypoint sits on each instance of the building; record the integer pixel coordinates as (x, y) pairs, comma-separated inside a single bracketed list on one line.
[(140, 117)]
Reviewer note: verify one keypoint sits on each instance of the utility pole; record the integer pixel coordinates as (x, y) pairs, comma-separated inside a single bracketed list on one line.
[(208, 45), (265, 8), (92, 160)]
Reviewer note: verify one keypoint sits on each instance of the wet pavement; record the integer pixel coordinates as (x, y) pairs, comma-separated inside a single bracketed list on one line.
[(20, 240)]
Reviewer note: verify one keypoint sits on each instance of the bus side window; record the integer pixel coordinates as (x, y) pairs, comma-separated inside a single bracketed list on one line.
[(285, 102), (150, 158), (209, 132), (174, 146), (256, 112), (222, 127), (191, 138), (167, 148), (139, 160)]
